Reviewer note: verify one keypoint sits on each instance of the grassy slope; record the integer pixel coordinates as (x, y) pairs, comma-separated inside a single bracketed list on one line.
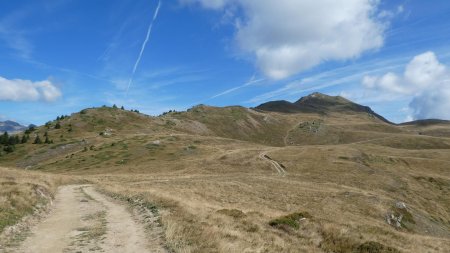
[(203, 168), (235, 122), (21, 192)]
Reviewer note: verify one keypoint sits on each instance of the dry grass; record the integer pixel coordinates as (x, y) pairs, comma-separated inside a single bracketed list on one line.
[(23, 192), (215, 194), (225, 206)]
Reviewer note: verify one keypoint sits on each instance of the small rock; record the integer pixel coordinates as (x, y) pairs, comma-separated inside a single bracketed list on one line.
[(400, 205), (393, 220)]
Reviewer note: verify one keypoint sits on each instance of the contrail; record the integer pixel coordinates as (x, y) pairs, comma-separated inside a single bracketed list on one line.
[(155, 15), (252, 81)]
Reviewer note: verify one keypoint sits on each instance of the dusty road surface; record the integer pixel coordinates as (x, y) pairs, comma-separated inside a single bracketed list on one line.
[(84, 220)]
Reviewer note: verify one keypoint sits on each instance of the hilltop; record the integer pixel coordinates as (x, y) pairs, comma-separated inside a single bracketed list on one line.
[(321, 104)]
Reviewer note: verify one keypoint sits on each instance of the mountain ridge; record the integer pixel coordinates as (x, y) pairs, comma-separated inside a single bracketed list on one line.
[(425, 122), (319, 103), (11, 126)]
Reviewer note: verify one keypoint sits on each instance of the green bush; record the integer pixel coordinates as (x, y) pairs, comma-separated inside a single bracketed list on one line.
[(290, 220), (9, 149)]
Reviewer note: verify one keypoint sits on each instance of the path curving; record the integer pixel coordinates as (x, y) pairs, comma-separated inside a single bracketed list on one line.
[(278, 167)]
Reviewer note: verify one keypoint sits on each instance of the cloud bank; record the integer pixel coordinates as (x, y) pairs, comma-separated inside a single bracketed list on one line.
[(26, 90), (286, 37), (424, 79)]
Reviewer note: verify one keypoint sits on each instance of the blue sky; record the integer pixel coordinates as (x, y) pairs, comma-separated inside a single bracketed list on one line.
[(60, 56)]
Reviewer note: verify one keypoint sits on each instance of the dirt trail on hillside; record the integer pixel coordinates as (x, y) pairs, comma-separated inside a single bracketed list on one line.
[(84, 220), (275, 164)]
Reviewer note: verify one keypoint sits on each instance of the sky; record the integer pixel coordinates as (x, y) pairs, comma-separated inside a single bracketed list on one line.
[(61, 56)]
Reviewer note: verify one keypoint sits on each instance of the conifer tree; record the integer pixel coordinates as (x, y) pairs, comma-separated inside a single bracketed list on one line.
[(4, 139), (11, 140), (37, 140), (30, 129), (24, 139)]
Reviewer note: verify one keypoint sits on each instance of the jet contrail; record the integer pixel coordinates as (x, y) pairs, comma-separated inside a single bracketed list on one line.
[(251, 82), (155, 15)]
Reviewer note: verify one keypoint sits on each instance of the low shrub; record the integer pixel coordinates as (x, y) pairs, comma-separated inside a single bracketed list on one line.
[(290, 220)]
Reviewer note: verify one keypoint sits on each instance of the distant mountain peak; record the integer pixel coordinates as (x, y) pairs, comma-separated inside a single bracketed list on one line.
[(317, 94), (11, 123), (320, 98), (11, 126), (318, 103)]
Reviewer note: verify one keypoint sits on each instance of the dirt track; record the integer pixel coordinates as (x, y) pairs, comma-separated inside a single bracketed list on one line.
[(84, 220), (281, 171)]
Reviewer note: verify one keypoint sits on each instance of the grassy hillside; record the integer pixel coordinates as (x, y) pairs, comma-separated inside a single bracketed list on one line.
[(349, 176), (233, 122), (239, 202), (100, 129), (81, 131)]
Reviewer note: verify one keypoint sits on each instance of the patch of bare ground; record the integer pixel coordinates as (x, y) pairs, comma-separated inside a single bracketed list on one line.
[(84, 220)]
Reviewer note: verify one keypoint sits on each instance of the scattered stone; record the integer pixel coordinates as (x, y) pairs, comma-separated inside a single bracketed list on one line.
[(107, 132), (394, 220), (400, 205), (399, 216)]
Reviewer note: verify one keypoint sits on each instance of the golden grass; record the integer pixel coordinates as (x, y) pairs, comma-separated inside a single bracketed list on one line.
[(23, 192), (215, 194), (227, 206)]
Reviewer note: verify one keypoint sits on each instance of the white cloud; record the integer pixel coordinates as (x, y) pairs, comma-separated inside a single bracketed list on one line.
[(424, 70), (26, 90), (425, 80), (389, 82), (288, 36), (433, 103)]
